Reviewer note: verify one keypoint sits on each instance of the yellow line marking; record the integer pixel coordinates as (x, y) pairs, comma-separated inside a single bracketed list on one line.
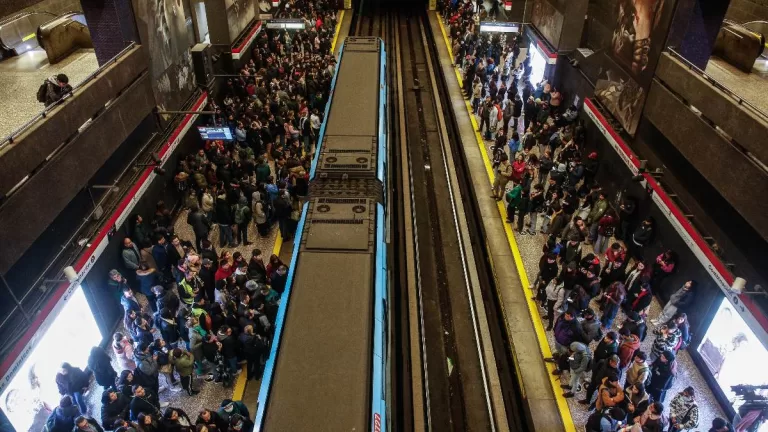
[(562, 403), (336, 32), (237, 393), (278, 244)]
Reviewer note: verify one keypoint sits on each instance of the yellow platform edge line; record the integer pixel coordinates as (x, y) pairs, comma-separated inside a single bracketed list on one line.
[(337, 31), (562, 403)]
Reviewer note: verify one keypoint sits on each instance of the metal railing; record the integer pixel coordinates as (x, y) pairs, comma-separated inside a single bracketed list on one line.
[(715, 83), (42, 114)]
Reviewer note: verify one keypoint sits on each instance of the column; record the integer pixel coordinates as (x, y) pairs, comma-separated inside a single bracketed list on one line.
[(695, 28), (112, 25)]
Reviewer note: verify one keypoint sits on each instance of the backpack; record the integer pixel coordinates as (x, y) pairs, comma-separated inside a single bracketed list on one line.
[(648, 379), (42, 91), (50, 423), (687, 415), (609, 230), (593, 422)]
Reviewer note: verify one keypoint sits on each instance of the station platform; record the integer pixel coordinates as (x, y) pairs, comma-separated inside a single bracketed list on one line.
[(515, 262)]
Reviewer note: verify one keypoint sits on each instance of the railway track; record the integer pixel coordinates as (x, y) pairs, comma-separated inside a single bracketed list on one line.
[(456, 382), (443, 301)]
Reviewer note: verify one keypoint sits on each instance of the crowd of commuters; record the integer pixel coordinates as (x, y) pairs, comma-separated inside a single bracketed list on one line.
[(594, 268), (208, 311)]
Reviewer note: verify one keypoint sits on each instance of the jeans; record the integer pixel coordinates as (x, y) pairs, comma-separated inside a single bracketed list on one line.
[(601, 244), (225, 235), (593, 232), (232, 363), (186, 384), (79, 399), (551, 313), (667, 313), (285, 227), (545, 223), (609, 313), (575, 380), (475, 104)]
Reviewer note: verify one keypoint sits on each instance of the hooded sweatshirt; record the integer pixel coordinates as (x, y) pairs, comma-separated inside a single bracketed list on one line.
[(627, 349), (581, 357)]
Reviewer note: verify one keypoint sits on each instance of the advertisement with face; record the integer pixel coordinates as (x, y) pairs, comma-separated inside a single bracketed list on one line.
[(239, 15)]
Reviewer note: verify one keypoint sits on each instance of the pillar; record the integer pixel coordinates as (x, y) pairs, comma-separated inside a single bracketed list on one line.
[(112, 25), (695, 28)]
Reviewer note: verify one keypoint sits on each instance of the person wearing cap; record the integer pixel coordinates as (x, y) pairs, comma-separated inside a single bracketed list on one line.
[(591, 325), (602, 369), (230, 408), (578, 363), (684, 411), (636, 325)]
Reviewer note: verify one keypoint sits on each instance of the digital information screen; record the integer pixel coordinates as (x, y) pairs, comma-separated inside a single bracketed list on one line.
[(499, 27), (215, 133)]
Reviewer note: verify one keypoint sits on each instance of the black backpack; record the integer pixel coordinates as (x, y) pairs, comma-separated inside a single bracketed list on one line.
[(42, 91)]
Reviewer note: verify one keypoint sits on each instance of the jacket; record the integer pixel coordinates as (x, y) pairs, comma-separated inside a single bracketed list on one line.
[(131, 257), (627, 350), (229, 345), (111, 411), (581, 357), (685, 411), (513, 197), (608, 396), (184, 364), (169, 330), (74, 381), (196, 335), (664, 343), (208, 203), (223, 212), (567, 332), (145, 363), (199, 223), (598, 208), (63, 419), (681, 298), (638, 373), (101, 365), (143, 405)]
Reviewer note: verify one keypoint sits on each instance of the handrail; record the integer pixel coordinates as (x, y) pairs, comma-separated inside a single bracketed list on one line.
[(9, 139), (716, 83)]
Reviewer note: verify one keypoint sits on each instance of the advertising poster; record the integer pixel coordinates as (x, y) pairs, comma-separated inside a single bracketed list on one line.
[(239, 15), (162, 27), (639, 35), (548, 18), (620, 94)]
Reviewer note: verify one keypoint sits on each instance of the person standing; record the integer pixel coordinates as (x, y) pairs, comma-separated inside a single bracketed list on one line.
[(101, 366), (241, 213), (224, 220), (200, 224), (73, 382), (579, 363), (683, 411), (184, 363), (663, 372), (681, 299)]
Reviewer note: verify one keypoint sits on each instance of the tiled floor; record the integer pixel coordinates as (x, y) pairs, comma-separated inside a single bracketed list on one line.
[(688, 374), (21, 76), (752, 87)]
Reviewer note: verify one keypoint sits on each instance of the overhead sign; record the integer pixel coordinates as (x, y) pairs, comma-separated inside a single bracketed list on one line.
[(499, 27), (286, 24)]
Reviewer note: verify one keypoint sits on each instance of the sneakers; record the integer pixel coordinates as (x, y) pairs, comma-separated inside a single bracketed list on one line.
[(565, 386), (557, 372), (162, 389), (568, 395), (584, 402), (208, 378), (531, 232), (164, 404)]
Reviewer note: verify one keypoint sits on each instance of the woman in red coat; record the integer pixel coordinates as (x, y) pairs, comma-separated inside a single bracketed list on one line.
[(518, 168)]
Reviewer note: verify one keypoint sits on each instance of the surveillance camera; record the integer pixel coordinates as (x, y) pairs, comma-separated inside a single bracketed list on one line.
[(638, 178), (70, 274), (738, 285)]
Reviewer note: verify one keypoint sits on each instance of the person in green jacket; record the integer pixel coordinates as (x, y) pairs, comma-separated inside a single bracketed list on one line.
[(184, 363), (196, 336), (263, 171), (593, 218), (513, 200)]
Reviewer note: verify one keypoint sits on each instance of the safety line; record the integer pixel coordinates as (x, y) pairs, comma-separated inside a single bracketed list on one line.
[(562, 403)]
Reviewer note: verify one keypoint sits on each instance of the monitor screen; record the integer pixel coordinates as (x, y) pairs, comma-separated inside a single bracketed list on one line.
[(215, 133)]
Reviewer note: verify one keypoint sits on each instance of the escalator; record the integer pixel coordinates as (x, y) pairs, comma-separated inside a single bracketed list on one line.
[(18, 34), (57, 35)]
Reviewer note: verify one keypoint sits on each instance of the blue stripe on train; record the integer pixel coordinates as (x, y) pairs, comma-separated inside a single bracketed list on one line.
[(266, 381)]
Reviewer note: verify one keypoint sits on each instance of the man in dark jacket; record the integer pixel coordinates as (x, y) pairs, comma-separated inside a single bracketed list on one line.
[(56, 87), (567, 330), (114, 407), (62, 419), (602, 369), (86, 424), (229, 347), (74, 382), (681, 299), (225, 220), (160, 254), (200, 225), (142, 403)]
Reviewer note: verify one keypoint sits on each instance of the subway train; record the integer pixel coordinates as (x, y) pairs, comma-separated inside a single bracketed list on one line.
[(328, 365)]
